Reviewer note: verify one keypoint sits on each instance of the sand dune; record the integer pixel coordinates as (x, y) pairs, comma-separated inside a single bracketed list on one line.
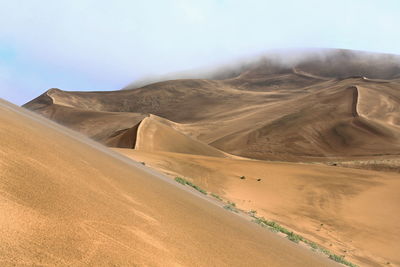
[(335, 122), (68, 201), (340, 108), (154, 135), (352, 212), (310, 112), (105, 127)]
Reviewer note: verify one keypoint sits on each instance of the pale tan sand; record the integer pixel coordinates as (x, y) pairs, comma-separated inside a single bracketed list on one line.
[(359, 209), (65, 200)]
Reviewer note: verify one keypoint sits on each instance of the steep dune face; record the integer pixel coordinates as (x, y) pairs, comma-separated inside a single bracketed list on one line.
[(154, 135), (102, 126), (121, 129), (351, 212), (66, 200), (314, 109)]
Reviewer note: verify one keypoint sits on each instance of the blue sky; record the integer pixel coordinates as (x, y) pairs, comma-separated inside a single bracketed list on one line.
[(104, 45)]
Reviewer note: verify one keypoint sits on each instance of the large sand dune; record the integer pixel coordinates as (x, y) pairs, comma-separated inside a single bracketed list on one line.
[(266, 111), (340, 108), (66, 200), (157, 134)]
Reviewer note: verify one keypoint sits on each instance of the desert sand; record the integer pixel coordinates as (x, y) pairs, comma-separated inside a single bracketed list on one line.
[(269, 112), (351, 212), (66, 200), (289, 128)]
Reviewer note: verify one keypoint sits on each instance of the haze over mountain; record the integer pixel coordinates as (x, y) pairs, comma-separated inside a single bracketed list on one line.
[(332, 63), (314, 106)]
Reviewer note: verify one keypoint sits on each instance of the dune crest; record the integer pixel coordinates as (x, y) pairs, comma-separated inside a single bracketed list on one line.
[(156, 134)]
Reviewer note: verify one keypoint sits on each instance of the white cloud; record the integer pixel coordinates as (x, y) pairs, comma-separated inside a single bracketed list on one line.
[(115, 42)]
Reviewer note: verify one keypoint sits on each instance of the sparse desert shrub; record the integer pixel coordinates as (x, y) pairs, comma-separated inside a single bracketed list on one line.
[(294, 237), (311, 244), (180, 180), (231, 206), (216, 196), (185, 182), (252, 213), (341, 260), (275, 227)]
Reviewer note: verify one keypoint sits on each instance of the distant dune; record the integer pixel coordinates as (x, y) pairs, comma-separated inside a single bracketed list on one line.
[(322, 63), (157, 134), (321, 108), (66, 200)]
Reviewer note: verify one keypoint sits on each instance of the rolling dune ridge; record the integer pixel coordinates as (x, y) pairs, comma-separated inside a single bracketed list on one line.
[(265, 112)]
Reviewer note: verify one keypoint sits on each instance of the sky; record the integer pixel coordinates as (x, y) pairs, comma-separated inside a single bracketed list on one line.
[(97, 45)]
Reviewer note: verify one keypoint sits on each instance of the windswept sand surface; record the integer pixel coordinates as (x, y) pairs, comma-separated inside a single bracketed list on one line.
[(355, 213), (342, 108), (65, 200)]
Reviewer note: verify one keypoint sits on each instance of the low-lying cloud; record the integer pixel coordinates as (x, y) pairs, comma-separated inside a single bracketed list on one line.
[(111, 44)]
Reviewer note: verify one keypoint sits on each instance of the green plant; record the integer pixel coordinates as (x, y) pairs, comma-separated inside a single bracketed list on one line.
[(185, 182), (311, 244), (341, 260), (294, 237), (180, 180), (273, 226), (231, 206), (252, 213), (216, 196)]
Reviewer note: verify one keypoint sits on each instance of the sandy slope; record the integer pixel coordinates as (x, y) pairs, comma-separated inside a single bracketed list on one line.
[(65, 200), (359, 209), (335, 122)]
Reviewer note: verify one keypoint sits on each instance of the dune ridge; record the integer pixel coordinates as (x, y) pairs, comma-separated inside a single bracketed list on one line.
[(355, 100), (266, 111), (154, 135)]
